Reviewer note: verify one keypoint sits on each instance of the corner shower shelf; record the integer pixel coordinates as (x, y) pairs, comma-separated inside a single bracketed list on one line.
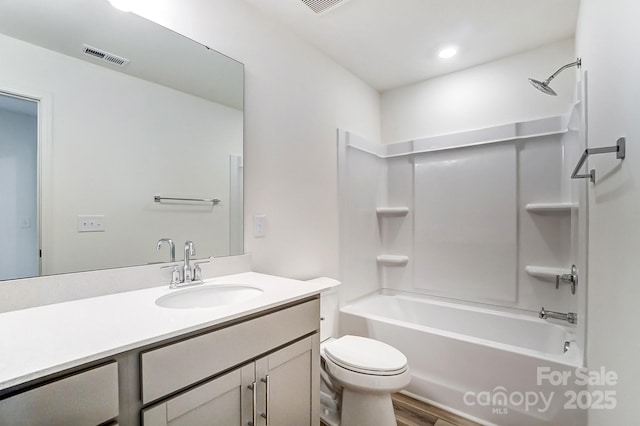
[(392, 260), (545, 272), (550, 208), (392, 211)]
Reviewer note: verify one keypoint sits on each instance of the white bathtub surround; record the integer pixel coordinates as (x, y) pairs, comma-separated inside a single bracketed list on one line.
[(475, 361), (487, 215), (467, 232), (465, 223), (361, 177)]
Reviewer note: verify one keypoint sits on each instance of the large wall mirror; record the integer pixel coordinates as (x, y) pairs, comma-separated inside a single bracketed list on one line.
[(101, 113)]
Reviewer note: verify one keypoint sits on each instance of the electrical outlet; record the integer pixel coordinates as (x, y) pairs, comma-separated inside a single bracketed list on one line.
[(93, 223)]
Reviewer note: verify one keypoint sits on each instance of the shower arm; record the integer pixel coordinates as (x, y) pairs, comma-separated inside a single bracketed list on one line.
[(577, 63)]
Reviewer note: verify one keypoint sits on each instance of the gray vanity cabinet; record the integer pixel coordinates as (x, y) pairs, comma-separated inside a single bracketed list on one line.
[(86, 398), (273, 390), (261, 372)]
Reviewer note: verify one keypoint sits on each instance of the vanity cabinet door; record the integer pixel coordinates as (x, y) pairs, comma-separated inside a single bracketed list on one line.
[(82, 399), (225, 401), (288, 383)]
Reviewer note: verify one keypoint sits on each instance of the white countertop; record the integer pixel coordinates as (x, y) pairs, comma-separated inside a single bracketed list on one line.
[(47, 339)]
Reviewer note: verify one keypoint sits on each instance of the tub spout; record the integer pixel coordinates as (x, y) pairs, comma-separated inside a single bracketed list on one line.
[(570, 317)]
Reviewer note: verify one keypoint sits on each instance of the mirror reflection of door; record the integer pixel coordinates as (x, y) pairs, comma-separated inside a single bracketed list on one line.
[(19, 241)]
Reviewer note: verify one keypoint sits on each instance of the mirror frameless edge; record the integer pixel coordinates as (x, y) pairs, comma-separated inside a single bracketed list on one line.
[(67, 25)]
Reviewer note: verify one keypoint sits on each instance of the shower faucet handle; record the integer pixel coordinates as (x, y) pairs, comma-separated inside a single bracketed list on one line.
[(571, 278)]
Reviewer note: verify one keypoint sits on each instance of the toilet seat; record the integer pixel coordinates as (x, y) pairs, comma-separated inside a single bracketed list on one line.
[(366, 356)]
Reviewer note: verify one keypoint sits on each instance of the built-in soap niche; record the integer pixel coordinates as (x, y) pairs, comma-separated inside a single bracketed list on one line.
[(561, 211), (386, 214)]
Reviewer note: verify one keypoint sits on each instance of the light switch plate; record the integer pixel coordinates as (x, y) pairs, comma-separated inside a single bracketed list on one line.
[(258, 225)]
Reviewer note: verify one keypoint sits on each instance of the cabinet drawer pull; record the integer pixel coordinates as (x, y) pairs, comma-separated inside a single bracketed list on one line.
[(265, 415), (254, 399)]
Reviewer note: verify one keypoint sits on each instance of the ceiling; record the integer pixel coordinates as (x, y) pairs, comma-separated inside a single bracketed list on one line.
[(392, 43)]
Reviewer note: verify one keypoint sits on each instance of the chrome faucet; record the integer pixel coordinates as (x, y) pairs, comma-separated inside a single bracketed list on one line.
[(570, 317), (189, 250), (185, 275), (172, 248)]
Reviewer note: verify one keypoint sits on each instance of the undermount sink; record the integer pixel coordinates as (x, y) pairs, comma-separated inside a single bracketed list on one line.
[(210, 296)]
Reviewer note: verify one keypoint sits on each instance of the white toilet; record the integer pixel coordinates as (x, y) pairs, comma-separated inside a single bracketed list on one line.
[(358, 374)]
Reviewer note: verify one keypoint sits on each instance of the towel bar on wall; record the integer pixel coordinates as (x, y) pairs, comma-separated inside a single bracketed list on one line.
[(213, 201), (619, 149)]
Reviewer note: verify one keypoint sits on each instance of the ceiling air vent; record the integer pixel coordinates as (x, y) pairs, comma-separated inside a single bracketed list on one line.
[(104, 56), (319, 6)]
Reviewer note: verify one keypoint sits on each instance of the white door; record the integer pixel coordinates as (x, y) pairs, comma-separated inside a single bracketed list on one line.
[(19, 241)]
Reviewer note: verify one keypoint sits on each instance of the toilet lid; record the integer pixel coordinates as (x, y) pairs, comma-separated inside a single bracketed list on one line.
[(366, 355)]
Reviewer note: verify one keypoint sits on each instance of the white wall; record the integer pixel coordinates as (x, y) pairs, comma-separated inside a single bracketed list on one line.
[(106, 128), (607, 42), (487, 95), (295, 98), (18, 195)]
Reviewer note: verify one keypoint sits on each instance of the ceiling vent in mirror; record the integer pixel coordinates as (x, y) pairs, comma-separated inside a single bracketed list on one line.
[(104, 56), (320, 6)]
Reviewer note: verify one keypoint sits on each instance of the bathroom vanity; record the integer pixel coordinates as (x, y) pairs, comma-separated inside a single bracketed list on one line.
[(123, 359)]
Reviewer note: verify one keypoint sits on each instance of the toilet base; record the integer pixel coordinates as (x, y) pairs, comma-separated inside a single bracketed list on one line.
[(363, 408)]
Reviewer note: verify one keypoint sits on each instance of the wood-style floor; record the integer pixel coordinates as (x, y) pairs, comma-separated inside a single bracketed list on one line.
[(410, 412)]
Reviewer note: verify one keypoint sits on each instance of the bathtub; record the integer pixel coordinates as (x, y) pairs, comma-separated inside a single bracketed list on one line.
[(491, 366)]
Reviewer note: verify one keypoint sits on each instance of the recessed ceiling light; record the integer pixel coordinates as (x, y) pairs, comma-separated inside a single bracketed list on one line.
[(448, 52)]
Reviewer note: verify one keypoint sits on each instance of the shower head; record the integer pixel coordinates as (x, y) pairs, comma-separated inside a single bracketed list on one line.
[(543, 86)]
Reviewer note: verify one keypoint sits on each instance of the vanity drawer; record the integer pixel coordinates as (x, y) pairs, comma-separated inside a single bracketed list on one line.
[(173, 367), (86, 398)]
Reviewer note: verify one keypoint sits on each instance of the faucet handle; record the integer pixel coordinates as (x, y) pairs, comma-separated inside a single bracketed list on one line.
[(197, 270), (197, 273), (175, 275)]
